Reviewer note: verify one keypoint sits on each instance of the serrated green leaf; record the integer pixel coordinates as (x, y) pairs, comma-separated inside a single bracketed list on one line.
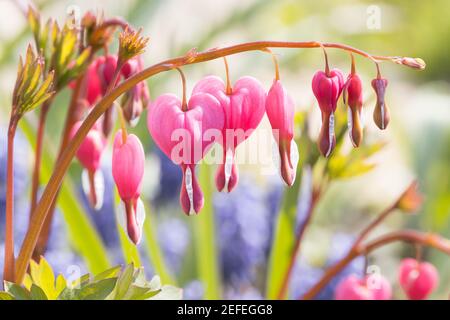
[(98, 290), (36, 293)]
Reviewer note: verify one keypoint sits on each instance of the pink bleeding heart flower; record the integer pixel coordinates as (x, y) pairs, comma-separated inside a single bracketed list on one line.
[(417, 279), (280, 111), (327, 88), (381, 113), (353, 97), (179, 131), (372, 287), (89, 154), (244, 108), (128, 163)]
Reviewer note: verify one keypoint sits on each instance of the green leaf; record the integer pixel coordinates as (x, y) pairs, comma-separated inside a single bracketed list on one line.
[(124, 282), (98, 290), (18, 292), (5, 296), (283, 240), (37, 293), (109, 273), (154, 249), (82, 234), (284, 236), (43, 276), (205, 240)]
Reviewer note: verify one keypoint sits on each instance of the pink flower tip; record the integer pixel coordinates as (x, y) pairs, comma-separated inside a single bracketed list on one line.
[(371, 287), (417, 279)]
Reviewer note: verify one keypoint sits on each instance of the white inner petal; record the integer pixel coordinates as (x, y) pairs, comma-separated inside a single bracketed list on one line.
[(330, 134), (140, 213), (228, 167), (85, 183), (362, 119), (121, 215), (276, 156), (350, 124), (99, 187), (294, 156), (382, 116), (135, 121), (189, 189)]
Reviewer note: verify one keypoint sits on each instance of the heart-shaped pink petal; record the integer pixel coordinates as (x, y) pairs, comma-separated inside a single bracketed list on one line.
[(181, 135), (244, 109)]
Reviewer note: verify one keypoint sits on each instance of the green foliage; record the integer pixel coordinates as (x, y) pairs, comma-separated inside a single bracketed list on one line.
[(60, 48), (341, 166), (117, 283), (205, 239), (30, 90)]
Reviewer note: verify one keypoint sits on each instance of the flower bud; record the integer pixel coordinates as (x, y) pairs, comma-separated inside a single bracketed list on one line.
[(135, 100), (128, 171), (106, 71), (327, 89), (280, 111), (354, 98), (381, 114), (417, 279)]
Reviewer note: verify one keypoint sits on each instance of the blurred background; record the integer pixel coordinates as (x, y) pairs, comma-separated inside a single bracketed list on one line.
[(224, 252)]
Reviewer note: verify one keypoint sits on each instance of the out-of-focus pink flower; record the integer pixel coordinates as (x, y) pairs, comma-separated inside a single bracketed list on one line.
[(372, 287), (128, 162), (138, 98), (327, 89), (180, 134), (92, 88), (89, 154), (280, 111), (244, 108), (417, 279)]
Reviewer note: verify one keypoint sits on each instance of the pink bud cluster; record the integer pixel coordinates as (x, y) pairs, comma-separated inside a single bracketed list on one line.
[(327, 86), (417, 279)]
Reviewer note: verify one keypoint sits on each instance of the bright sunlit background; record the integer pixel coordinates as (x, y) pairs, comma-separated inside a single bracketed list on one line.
[(417, 139)]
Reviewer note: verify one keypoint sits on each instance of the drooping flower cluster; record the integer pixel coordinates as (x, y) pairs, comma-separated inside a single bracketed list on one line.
[(327, 87), (128, 155)]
